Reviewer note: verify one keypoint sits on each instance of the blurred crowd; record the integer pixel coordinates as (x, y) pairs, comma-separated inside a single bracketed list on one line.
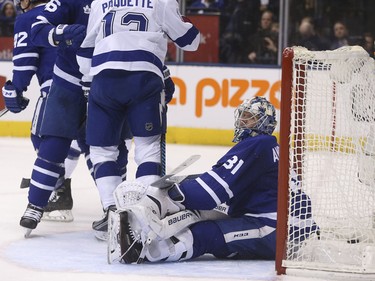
[(7, 18), (249, 29)]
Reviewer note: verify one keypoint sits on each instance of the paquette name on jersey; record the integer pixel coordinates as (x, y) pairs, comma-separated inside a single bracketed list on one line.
[(127, 3)]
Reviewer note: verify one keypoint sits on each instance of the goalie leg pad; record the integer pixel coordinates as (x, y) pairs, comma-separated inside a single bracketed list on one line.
[(113, 243), (130, 193), (130, 244), (150, 206), (176, 248), (124, 244), (174, 223)]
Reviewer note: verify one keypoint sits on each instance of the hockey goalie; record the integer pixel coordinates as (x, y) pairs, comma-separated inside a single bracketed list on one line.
[(229, 211)]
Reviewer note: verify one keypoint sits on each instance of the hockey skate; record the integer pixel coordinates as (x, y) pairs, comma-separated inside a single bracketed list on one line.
[(124, 244), (101, 226), (31, 218), (60, 204)]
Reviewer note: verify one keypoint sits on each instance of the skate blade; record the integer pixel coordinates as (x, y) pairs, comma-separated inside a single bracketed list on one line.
[(27, 232), (101, 235), (59, 216)]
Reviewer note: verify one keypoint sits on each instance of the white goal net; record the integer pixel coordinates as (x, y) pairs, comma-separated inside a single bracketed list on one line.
[(332, 150)]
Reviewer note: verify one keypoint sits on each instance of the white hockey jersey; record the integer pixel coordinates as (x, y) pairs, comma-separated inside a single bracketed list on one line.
[(132, 35)]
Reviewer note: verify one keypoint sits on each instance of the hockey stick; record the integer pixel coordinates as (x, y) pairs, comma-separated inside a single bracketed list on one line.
[(165, 181), (3, 111), (164, 131), (162, 154), (25, 183)]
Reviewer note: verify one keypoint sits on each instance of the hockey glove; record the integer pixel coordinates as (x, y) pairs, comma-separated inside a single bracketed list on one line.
[(14, 101), (168, 85), (69, 35)]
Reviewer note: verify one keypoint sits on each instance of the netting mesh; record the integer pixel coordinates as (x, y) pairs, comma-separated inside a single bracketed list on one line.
[(332, 150)]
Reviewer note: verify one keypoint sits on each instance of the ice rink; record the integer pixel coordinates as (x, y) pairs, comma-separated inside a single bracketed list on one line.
[(69, 251)]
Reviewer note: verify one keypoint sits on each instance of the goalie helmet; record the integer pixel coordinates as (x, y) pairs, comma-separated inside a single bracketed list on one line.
[(254, 117)]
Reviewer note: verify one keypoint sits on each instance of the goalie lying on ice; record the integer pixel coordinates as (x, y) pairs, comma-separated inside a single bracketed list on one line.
[(236, 199)]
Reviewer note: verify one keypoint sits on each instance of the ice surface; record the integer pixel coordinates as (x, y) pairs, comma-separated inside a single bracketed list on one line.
[(69, 251)]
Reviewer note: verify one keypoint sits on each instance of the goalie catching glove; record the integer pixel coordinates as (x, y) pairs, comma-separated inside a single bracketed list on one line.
[(14, 100)]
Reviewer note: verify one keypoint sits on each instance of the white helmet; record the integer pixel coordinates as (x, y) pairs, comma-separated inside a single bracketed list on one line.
[(254, 117)]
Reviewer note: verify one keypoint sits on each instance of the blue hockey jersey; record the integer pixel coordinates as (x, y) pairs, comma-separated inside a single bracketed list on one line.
[(246, 178), (66, 70), (29, 59)]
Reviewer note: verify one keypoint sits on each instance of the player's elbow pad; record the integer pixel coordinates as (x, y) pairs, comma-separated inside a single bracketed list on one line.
[(193, 46)]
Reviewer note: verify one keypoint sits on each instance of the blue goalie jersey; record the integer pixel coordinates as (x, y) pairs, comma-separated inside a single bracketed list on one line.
[(245, 178), (29, 59), (66, 70)]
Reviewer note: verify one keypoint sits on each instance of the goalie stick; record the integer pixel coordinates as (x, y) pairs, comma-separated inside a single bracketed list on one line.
[(166, 181)]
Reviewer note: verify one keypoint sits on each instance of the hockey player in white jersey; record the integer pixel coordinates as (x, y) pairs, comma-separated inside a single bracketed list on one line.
[(124, 51), (242, 185)]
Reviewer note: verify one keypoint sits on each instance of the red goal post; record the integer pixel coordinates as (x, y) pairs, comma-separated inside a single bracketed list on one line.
[(327, 138)]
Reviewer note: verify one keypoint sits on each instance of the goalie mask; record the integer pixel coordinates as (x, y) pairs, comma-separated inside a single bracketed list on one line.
[(254, 117)]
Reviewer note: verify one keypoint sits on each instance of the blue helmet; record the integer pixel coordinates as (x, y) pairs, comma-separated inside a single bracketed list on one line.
[(254, 117)]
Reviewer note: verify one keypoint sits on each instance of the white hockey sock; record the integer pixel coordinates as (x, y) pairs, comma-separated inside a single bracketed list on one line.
[(106, 186), (72, 160)]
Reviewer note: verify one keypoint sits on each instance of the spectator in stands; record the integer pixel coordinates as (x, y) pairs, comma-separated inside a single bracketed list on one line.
[(7, 18), (270, 5), (242, 22), (341, 35), (309, 38), (368, 43), (264, 43)]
